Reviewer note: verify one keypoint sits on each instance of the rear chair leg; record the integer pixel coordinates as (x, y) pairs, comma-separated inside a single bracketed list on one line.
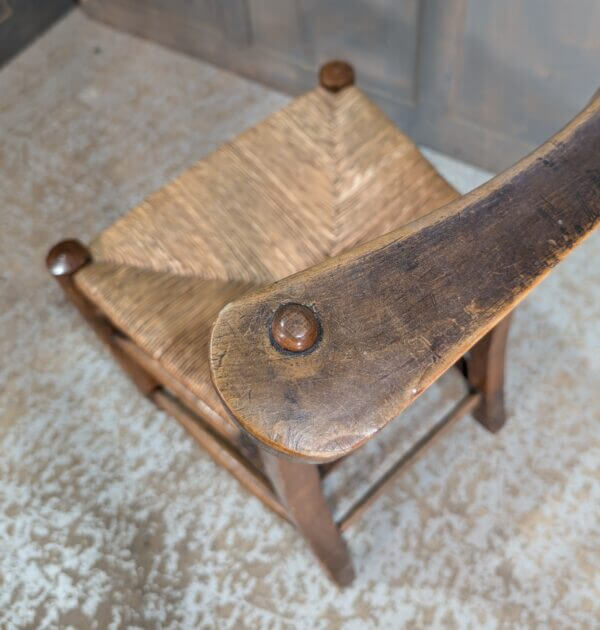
[(485, 373), (298, 486)]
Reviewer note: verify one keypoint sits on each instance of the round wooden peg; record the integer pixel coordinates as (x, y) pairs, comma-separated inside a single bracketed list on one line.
[(295, 327), (336, 75), (66, 257)]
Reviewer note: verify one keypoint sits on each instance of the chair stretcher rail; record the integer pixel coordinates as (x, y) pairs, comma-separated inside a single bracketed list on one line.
[(466, 405)]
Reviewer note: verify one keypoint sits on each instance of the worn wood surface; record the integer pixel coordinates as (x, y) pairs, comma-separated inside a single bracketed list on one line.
[(397, 312), (485, 373), (298, 486), (356, 511)]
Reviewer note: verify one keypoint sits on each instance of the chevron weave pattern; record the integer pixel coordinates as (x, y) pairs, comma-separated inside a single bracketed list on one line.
[(325, 173)]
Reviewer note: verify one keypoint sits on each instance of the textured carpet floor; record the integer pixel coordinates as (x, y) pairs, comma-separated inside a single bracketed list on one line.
[(111, 516)]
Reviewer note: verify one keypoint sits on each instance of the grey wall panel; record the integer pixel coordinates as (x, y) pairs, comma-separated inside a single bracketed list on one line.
[(520, 70), (485, 80), (381, 36)]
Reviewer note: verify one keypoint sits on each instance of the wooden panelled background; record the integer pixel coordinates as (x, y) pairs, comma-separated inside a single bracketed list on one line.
[(484, 80)]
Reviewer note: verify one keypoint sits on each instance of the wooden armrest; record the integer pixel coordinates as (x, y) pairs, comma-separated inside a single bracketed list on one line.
[(394, 314)]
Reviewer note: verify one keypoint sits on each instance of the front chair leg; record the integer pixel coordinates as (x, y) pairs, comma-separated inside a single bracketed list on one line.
[(485, 373), (298, 486)]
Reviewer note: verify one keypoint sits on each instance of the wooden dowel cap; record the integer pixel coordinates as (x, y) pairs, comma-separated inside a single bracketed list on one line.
[(295, 328), (336, 75), (66, 257)]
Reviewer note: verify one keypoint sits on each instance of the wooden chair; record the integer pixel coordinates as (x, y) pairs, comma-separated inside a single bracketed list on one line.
[(340, 275)]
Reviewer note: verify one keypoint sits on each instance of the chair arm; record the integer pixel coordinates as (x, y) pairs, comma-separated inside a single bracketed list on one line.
[(397, 312)]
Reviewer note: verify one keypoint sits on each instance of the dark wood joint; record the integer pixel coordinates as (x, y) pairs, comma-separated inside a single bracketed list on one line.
[(67, 257), (336, 75), (295, 328), (63, 261)]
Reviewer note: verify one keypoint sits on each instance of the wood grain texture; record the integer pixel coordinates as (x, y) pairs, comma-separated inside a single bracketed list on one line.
[(397, 312), (485, 373), (298, 487), (295, 328)]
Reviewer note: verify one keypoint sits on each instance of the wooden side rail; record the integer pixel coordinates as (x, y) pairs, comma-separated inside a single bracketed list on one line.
[(63, 261), (314, 365), (220, 439), (221, 451), (417, 450)]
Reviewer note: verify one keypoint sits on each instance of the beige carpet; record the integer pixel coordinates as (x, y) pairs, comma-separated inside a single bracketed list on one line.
[(112, 517)]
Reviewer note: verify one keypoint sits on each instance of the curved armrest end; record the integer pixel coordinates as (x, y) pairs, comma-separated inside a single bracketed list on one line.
[(395, 313)]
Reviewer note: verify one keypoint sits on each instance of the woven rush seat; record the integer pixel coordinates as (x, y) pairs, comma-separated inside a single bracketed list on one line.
[(325, 173)]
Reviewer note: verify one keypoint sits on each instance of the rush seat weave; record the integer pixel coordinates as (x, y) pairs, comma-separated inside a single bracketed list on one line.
[(325, 173)]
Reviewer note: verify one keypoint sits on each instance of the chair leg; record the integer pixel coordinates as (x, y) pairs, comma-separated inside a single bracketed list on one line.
[(485, 373), (298, 486)]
